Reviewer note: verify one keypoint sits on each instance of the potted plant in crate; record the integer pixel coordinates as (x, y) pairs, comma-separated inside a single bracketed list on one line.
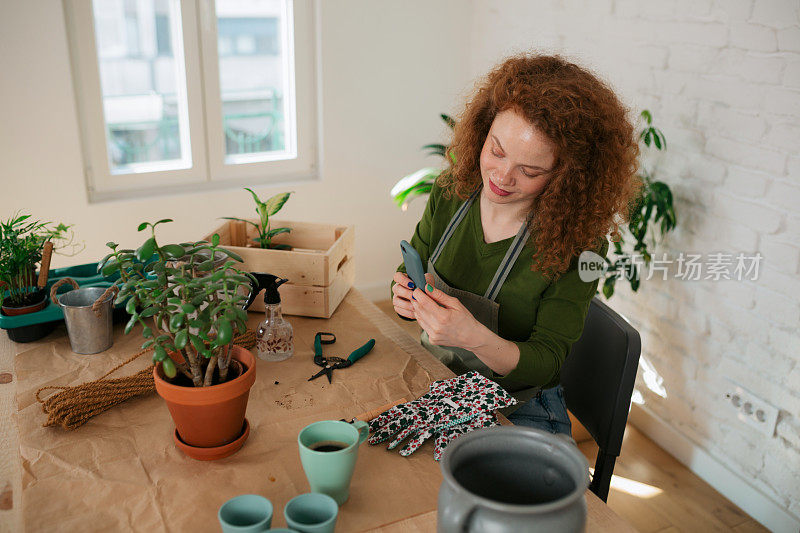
[(316, 258), (265, 210), (22, 241), (190, 309)]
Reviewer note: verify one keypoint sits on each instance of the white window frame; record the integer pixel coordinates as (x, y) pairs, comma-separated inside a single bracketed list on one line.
[(207, 168)]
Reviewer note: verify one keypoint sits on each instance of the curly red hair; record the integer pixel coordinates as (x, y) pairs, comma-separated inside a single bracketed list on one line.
[(594, 179)]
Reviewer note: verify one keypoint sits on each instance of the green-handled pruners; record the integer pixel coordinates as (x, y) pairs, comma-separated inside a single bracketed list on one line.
[(329, 364)]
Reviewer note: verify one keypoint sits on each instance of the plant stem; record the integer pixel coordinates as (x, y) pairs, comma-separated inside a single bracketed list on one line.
[(224, 364), (210, 371)]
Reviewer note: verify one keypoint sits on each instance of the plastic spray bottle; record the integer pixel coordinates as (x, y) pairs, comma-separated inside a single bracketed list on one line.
[(275, 336)]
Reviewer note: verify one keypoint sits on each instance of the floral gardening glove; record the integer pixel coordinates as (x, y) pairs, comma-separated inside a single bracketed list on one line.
[(448, 435), (450, 402)]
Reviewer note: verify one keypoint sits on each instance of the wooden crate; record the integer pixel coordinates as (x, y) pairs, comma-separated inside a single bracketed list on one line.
[(320, 267)]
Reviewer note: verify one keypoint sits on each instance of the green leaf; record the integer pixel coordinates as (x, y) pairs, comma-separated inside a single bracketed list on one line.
[(130, 307), (110, 267), (169, 368), (130, 324), (274, 204), (215, 239), (656, 140), (256, 199), (277, 231), (608, 287), (147, 344), (181, 338), (188, 308), (159, 353), (142, 226), (146, 250), (147, 332), (177, 322), (163, 221), (645, 114), (647, 137), (175, 251), (448, 120), (205, 266), (150, 311), (224, 332), (197, 342)]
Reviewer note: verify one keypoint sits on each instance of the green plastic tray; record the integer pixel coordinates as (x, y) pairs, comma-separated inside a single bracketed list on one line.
[(85, 275)]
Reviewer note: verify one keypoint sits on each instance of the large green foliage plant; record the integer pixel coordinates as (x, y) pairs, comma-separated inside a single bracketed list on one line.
[(184, 300)]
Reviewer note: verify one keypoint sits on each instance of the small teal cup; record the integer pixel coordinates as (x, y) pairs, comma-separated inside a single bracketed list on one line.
[(249, 513), (330, 472), (311, 513)]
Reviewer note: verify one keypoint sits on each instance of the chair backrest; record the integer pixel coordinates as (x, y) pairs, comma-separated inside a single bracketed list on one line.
[(598, 375)]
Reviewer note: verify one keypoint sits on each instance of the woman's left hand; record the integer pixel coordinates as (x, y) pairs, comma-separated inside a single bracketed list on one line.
[(446, 320)]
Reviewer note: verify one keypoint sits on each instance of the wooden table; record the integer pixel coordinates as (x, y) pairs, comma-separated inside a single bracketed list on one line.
[(415, 511)]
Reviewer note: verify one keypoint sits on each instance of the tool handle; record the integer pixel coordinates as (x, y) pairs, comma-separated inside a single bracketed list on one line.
[(44, 269), (361, 352), (319, 341), (369, 415)]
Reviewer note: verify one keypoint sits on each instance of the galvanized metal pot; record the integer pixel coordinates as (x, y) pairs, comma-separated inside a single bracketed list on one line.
[(87, 312), (512, 479)]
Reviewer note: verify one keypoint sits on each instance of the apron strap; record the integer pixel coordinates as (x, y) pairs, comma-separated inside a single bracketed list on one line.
[(508, 261), (451, 227)]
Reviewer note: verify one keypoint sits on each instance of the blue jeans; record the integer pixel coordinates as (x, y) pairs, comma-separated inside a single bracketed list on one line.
[(547, 410)]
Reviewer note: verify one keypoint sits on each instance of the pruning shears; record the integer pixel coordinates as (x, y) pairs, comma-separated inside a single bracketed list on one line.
[(329, 364)]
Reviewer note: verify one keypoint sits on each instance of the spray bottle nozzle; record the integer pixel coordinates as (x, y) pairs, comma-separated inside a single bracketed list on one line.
[(269, 283)]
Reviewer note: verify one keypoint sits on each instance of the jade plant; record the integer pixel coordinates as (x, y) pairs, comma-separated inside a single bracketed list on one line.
[(185, 301), (265, 210), (21, 243)]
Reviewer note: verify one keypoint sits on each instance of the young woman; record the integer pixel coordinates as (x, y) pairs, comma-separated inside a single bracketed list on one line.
[(542, 167)]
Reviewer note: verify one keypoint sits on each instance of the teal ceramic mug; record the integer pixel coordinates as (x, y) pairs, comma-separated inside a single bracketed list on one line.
[(249, 513), (311, 513), (328, 452)]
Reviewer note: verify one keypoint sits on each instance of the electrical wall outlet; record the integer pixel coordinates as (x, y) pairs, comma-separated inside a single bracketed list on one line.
[(751, 409)]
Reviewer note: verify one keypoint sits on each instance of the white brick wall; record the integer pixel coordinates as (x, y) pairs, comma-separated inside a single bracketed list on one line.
[(722, 78)]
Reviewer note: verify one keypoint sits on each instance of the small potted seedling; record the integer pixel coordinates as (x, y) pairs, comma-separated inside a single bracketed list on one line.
[(22, 242), (266, 210), (189, 308)]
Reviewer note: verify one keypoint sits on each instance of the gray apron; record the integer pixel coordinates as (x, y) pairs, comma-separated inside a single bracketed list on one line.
[(483, 308)]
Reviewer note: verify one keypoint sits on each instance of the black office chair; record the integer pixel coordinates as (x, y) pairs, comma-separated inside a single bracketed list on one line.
[(598, 376)]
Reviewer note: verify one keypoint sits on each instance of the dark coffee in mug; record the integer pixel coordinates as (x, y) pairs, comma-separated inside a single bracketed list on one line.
[(328, 446)]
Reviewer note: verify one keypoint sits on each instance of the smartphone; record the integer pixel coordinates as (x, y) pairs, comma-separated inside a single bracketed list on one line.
[(413, 263)]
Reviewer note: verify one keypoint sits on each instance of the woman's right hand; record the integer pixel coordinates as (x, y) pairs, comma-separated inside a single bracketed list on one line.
[(402, 290)]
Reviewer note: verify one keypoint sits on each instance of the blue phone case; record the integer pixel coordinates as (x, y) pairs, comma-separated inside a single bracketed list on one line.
[(413, 263)]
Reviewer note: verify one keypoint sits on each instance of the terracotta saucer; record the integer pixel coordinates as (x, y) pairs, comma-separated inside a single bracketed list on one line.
[(216, 452)]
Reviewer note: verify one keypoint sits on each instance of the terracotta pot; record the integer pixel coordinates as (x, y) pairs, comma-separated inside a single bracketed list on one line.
[(208, 417), (32, 308)]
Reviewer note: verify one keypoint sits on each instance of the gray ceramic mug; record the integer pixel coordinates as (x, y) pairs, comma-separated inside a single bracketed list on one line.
[(512, 479)]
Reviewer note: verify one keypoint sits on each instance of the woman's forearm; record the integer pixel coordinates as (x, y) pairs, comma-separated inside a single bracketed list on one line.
[(497, 353)]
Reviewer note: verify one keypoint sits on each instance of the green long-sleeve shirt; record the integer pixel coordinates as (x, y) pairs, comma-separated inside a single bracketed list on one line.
[(542, 318)]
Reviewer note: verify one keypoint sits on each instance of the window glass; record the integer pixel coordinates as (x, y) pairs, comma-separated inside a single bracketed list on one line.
[(254, 52), (143, 84)]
